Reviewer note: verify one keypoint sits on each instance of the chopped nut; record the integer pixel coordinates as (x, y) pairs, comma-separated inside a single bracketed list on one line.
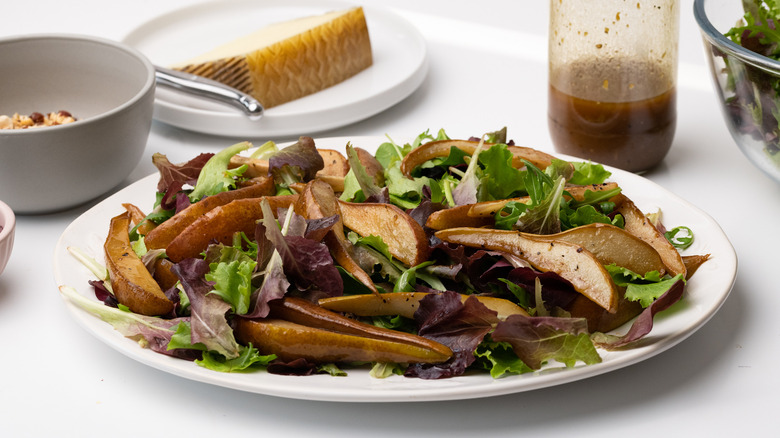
[(36, 119)]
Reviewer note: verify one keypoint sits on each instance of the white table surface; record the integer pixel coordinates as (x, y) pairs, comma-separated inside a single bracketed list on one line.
[(487, 70)]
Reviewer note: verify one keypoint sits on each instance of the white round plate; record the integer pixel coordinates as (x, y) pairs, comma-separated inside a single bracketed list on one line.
[(400, 65), (705, 294)]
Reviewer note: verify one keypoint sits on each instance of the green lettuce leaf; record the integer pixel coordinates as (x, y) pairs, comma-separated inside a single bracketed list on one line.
[(215, 176)]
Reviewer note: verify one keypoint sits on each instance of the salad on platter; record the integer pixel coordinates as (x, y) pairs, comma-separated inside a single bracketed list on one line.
[(431, 259)]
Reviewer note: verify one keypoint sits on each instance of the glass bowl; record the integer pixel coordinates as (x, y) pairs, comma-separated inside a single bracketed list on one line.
[(748, 85)]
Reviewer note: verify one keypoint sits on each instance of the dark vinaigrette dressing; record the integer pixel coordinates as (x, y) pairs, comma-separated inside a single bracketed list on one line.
[(611, 122)]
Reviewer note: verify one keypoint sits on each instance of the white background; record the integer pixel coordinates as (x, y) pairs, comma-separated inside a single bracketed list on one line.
[(487, 70)]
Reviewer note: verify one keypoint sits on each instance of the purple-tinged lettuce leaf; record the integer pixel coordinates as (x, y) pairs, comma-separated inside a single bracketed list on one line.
[(297, 367), (644, 322), (103, 294), (151, 332), (301, 159), (309, 266), (538, 339), (208, 322), (461, 326), (316, 229), (180, 174), (275, 283)]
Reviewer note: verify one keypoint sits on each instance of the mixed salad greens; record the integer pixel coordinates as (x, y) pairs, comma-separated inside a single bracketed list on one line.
[(288, 255), (755, 103)]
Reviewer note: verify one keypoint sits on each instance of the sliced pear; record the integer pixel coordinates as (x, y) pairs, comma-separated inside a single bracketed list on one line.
[(572, 262), (405, 238), (489, 208), (335, 164), (317, 201), (132, 283), (482, 214), (640, 226), (220, 223), (137, 217), (306, 313), (290, 341), (610, 244), (407, 303), (457, 216), (162, 235), (441, 148), (599, 320)]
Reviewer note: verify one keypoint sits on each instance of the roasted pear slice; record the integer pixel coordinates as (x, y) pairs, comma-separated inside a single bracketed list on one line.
[(318, 201), (306, 313), (163, 234), (290, 341), (137, 217), (482, 214), (335, 162), (599, 320), (458, 216), (405, 238), (640, 226), (406, 303), (220, 223), (571, 261), (489, 208), (611, 244), (132, 283), (441, 148)]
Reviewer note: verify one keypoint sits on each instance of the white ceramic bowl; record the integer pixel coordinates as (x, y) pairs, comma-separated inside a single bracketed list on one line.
[(106, 85), (754, 76), (7, 230)]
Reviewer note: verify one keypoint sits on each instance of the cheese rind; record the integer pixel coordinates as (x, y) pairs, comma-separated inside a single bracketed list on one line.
[(292, 59)]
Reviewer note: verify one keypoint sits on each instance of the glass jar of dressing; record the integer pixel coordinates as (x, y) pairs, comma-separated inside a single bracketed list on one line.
[(612, 78)]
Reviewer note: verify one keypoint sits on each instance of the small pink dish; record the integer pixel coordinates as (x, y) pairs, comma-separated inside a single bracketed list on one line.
[(7, 228)]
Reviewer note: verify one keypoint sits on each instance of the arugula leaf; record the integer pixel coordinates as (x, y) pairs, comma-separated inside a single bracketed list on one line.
[(680, 237)]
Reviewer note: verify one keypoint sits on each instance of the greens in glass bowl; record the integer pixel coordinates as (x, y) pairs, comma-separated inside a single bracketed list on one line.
[(741, 39)]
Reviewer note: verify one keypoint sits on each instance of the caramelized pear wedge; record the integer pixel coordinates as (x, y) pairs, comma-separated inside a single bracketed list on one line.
[(458, 216), (572, 262), (405, 238), (610, 244), (482, 214), (163, 234), (441, 148), (406, 303), (306, 313), (489, 208), (317, 201), (220, 223), (693, 262), (290, 341), (373, 167), (137, 216), (640, 226), (336, 164), (131, 282), (599, 320)]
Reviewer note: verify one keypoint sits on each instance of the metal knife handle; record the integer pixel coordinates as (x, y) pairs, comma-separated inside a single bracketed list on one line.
[(200, 86)]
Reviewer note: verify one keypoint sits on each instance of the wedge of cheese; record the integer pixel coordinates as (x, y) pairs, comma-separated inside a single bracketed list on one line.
[(292, 59)]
